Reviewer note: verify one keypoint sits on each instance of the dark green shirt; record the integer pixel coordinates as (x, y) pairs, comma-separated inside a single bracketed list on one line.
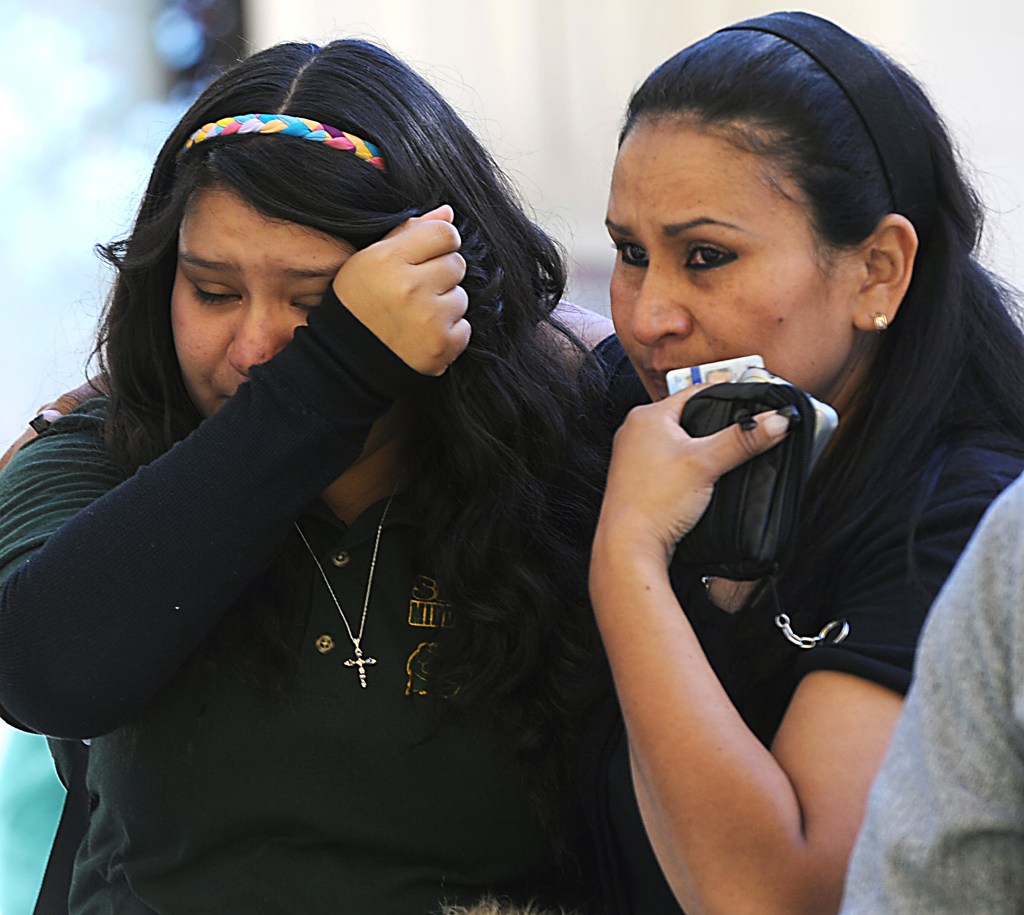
[(334, 799), (338, 799)]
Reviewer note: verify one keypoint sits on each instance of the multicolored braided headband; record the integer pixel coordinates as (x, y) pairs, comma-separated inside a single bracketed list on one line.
[(288, 126)]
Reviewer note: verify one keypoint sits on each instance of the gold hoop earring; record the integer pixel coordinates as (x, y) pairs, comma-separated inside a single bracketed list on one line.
[(881, 321)]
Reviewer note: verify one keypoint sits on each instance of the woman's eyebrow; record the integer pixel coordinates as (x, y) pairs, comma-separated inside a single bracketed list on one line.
[(675, 228)]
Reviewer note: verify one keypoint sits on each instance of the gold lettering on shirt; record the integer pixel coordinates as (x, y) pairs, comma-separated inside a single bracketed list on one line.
[(427, 609), (417, 668)]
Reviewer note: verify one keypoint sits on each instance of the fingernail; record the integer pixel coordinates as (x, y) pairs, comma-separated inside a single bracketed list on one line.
[(44, 420), (792, 415), (746, 422), (776, 424)]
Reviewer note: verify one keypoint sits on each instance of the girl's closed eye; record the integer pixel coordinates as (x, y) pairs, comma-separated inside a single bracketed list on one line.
[(207, 297), (306, 303)]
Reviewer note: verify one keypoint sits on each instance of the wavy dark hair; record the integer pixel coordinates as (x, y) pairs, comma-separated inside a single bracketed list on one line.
[(951, 364), (504, 471)]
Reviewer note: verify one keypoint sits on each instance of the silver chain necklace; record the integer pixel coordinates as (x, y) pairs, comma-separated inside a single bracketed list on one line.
[(357, 660)]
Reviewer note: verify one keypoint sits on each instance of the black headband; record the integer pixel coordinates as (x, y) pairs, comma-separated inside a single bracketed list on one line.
[(894, 128)]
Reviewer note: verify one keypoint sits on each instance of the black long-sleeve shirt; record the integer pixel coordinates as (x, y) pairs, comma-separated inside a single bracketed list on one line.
[(108, 585)]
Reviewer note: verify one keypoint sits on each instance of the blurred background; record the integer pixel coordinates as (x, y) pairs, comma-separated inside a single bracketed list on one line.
[(543, 82)]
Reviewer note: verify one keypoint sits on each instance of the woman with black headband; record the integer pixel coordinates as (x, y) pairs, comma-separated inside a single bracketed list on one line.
[(783, 189), (309, 579)]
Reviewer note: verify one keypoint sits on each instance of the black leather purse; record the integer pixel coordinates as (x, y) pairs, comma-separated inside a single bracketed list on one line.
[(748, 527)]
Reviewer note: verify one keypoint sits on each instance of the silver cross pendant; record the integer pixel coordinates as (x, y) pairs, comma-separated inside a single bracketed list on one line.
[(360, 662)]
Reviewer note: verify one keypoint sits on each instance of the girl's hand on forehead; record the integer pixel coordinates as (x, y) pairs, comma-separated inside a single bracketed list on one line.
[(405, 288)]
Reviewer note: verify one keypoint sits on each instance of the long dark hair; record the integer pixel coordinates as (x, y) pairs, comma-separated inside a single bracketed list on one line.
[(950, 366), (503, 471)]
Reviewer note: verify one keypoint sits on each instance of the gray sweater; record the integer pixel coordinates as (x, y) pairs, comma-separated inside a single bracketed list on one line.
[(944, 830)]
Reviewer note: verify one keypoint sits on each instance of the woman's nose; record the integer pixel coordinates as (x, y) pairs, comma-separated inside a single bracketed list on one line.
[(261, 333), (658, 311)]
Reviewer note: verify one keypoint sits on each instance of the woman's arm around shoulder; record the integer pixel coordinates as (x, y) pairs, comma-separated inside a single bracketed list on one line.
[(47, 414)]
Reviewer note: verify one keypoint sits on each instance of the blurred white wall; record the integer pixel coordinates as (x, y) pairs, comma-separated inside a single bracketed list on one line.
[(545, 82), (77, 142)]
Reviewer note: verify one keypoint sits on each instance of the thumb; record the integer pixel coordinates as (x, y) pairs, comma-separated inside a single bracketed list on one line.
[(444, 212), (740, 442)]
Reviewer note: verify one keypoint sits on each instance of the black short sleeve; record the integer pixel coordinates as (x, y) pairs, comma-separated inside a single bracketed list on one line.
[(886, 586)]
